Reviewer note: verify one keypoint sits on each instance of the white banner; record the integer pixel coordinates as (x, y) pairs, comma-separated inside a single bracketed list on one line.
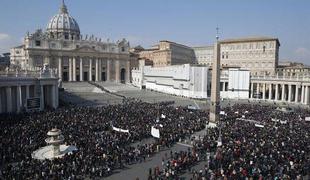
[(259, 125), (163, 116), (222, 112), (155, 132), (219, 143), (283, 122), (307, 118), (120, 130)]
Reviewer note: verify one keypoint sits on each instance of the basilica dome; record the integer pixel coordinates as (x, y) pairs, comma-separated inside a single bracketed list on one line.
[(63, 25)]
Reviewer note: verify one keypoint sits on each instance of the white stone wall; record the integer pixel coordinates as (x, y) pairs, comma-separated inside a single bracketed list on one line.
[(181, 80), (136, 75)]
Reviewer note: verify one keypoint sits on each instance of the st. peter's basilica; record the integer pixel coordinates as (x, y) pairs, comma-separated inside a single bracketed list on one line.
[(73, 56)]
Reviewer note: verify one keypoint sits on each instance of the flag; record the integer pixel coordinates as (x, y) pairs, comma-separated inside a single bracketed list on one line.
[(155, 132)]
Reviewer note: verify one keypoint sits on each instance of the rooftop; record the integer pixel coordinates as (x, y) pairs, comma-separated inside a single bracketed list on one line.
[(250, 39)]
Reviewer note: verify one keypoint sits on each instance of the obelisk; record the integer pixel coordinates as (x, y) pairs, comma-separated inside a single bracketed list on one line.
[(215, 85)]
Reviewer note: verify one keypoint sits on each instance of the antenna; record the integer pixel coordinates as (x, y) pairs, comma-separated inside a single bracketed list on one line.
[(217, 33)]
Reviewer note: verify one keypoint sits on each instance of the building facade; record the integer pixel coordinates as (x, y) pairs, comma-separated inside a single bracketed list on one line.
[(292, 69), (204, 55), (181, 80), (75, 57), (167, 53), (259, 55)]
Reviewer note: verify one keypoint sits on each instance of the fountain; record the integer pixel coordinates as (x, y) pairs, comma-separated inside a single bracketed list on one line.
[(55, 148)]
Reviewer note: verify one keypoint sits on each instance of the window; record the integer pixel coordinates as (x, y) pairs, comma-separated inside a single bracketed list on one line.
[(38, 43), (264, 48), (77, 46), (65, 44), (66, 36), (123, 49)]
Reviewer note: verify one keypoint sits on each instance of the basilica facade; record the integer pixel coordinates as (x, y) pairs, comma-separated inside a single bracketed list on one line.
[(72, 56)]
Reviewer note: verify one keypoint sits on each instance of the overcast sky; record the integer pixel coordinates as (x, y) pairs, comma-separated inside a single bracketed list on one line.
[(190, 22)]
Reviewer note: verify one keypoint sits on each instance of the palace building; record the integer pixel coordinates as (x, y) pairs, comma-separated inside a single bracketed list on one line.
[(74, 57)]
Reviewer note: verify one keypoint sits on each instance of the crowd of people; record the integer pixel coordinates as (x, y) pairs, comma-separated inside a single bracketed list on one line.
[(279, 148), (100, 149), (252, 142)]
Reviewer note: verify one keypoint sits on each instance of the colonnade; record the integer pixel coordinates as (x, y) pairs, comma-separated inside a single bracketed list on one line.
[(15, 93), (93, 69), (292, 92)]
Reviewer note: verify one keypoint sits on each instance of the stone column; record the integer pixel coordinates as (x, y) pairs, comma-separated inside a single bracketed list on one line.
[(100, 69), (90, 69), (70, 69), (19, 98), (108, 70), (296, 93), (270, 91), (81, 69), (283, 92), (42, 98), (223, 86), (60, 68), (97, 69), (9, 99), (264, 91), (277, 92), (302, 94), (307, 95), (252, 90), (289, 93), (128, 69), (257, 90), (74, 69), (117, 71)]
